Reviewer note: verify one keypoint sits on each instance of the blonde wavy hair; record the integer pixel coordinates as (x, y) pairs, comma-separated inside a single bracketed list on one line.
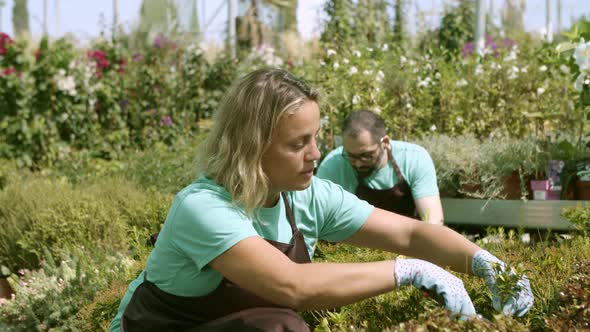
[(243, 127)]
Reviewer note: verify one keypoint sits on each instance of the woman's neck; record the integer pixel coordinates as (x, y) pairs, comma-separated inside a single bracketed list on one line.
[(272, 199)]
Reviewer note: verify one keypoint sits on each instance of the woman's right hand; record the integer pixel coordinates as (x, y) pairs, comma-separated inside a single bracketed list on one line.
[(427, 276)]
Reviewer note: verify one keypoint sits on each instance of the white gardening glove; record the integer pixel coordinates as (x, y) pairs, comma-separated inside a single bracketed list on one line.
[(427, 276), (520, 301)]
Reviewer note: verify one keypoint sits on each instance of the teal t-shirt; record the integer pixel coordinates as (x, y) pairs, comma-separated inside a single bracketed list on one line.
[(203, 223), (413, 161)]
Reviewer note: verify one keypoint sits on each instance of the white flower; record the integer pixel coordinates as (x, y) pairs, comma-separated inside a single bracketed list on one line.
[(408, 106), (402, 59), (423, 83), (356, 99), (377, 89), (377, 110), (540, 91), (582, 55), (512, 55), (437, 76), (352, 70), (564, 69), (345, 61), (66, 84), (495, 66), (478, 69), (385, 47), (380, 76), (356, 53), (462, 82), (322, 63), (543, 68), (524, 69), (412, 63), (61, 72), (459, 119), (330, 52), (433, 128), (369, 49), (336, 65), (581, 80), (367, 72), (513, 72)]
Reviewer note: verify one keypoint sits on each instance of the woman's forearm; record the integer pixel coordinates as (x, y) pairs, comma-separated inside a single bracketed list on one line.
[(329, 285), (442, 246)]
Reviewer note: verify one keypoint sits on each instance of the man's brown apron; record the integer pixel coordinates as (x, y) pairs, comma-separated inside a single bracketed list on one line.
[(398, 199), (227, 308)]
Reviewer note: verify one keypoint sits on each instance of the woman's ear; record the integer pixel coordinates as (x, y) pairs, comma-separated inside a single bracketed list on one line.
[(385, 140)]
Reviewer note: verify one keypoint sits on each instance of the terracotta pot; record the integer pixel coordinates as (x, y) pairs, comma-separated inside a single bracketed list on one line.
[(582, 190), (511, 187), (5, 290)]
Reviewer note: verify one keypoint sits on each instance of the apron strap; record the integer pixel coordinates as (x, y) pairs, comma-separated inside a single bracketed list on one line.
[(290, 215), (400, 177)]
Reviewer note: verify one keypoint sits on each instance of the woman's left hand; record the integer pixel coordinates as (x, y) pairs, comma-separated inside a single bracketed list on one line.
[(511, 293)]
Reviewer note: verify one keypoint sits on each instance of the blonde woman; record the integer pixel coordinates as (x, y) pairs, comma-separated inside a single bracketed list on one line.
[(234, 252)]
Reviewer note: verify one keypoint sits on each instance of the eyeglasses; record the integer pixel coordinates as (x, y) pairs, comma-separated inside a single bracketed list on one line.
[(368, 156)]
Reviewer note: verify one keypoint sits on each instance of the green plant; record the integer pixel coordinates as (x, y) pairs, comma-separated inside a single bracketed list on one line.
[(40, 215), (579, 217), (49, 298)]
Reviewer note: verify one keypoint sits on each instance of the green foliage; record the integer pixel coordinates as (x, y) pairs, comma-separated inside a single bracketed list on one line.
[(41, 215), (49, 298), (339, 28), (20, 17), (456, 28), (408, 310), (579, 217), (469, 167)]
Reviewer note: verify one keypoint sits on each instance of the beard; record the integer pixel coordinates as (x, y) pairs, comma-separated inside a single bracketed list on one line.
[(365, 171)]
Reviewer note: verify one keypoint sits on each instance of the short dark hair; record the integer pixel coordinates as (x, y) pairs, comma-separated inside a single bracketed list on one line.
[(361, 120)]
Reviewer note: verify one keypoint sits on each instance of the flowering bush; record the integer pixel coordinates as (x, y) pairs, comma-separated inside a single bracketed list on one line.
[(49, 298), (105, 99)]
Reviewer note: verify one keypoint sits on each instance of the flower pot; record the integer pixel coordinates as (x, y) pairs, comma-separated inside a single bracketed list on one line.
[(582, 190), (541, 190), (511, 187), (5, 290)]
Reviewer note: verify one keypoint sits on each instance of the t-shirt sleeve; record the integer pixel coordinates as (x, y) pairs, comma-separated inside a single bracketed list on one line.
[(423, 176), (205, 226), (343, 213)]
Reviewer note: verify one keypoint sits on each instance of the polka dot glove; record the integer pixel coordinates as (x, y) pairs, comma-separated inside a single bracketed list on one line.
[(520, 299), (427, 276)]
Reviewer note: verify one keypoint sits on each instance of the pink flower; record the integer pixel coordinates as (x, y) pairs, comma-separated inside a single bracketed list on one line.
[(166, 121)]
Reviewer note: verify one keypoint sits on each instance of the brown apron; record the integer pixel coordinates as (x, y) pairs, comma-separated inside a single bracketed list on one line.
[(398, 199), (227, 308)]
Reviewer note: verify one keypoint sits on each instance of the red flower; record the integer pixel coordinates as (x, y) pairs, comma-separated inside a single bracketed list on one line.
[(5, 39), (8, 71), (100, 58)]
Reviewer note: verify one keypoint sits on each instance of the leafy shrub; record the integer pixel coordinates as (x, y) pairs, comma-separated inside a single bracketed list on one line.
[(579, 217), (573, 312), (39, 214), (49, 298)]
